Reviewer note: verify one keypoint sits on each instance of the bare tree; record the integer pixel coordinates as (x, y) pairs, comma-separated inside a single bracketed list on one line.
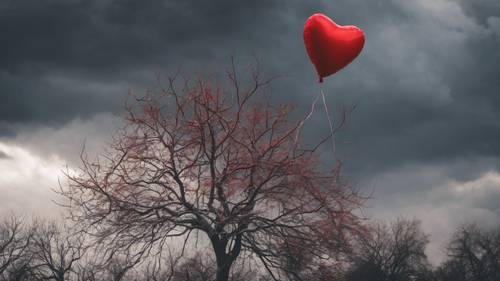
[(195, 268), (160, 269), (19, 271), (93, 268), (14, 240), (450, 270), (217, 162), (391, 252), (300, 265), (473, 254), (55, 250)]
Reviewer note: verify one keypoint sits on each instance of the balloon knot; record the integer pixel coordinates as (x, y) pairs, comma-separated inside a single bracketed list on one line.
[(320, 80)]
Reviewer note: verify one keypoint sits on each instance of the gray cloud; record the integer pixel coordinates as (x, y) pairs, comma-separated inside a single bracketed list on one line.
[(3, 155), (67, 142), (434, 194), (26, 182)]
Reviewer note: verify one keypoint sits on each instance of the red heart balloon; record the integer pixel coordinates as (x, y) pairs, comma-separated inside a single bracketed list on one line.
[(330, 46)]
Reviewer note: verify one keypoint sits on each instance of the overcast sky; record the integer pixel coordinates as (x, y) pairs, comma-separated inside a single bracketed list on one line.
[(424, 137)]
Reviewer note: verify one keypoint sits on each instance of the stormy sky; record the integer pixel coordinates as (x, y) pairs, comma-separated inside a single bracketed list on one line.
[(423, 140)]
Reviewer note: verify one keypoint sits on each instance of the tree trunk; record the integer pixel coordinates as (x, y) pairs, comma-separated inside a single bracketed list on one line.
[(224, 260), (223, 272), (60, 276)]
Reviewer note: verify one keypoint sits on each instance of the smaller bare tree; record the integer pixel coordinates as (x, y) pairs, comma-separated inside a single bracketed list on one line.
[(93, 267), (55, 250), (196, 268), (391, 252), (473, 254), (14, 240)]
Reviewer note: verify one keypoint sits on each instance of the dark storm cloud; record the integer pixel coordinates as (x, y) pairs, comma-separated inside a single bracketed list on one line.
[(481, 9), (426, 84), (103, 35), (61, 59), (431, 90)]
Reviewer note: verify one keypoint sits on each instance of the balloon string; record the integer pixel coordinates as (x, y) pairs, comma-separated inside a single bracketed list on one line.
[(330, 123), (313, 105)]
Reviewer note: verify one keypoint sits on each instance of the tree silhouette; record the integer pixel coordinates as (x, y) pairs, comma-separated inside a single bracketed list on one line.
[(215, 162), (14, 240), (391, 252), (473, 254), (54, 251)]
